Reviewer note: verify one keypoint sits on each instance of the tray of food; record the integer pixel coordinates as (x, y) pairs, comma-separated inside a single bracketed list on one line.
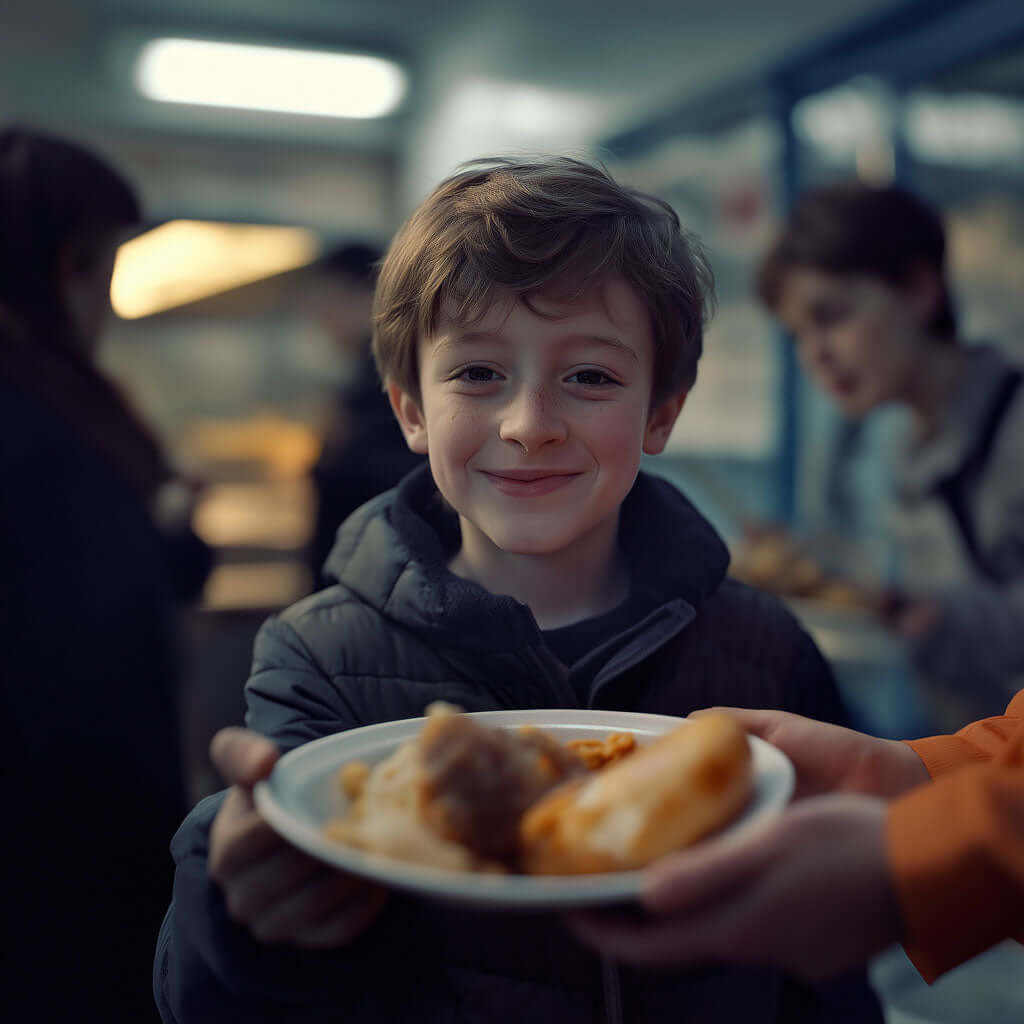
[(522, 809)]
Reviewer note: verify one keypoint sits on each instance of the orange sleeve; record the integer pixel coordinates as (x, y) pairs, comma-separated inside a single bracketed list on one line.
[(979, 741), (956, 847)]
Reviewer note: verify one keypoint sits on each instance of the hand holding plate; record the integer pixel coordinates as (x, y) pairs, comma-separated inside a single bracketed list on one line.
[(278, 892)]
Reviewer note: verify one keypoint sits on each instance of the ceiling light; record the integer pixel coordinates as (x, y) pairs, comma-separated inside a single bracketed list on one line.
[(186, 260), (269, 78), (838, 121), (967, 128)]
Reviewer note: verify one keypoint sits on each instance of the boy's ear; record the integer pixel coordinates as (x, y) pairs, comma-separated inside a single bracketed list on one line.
[(661, 421), (410, 418)]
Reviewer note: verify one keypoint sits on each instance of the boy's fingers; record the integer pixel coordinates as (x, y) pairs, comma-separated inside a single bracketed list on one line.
[(326, 897), (241, 756), (268, 879), (343, 926), (236, 845)]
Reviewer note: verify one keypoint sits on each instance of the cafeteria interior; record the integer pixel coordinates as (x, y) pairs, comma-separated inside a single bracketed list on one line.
[(239, 380)]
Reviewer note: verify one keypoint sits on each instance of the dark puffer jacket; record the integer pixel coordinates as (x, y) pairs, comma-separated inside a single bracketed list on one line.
[(398, 631)]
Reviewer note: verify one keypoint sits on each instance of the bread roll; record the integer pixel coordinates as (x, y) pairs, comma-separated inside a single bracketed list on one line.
[(665, 796)]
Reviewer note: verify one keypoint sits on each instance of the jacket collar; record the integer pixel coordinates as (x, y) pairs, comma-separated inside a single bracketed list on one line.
[(927, 463), (393, 552)]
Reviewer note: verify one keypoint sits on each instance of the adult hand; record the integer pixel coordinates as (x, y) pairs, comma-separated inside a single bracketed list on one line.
[(808, 892), (278, 892), (831, 759)]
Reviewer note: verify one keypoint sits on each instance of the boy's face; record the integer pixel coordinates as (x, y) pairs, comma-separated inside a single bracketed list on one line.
[(534, 427)]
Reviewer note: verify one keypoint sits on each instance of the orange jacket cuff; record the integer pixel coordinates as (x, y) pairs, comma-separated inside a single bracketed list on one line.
[(955, 868)]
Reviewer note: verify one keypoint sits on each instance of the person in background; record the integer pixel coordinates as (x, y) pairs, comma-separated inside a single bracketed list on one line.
[(858, 275), (95, 552), (538, 326), (918, 842), (363, 450)]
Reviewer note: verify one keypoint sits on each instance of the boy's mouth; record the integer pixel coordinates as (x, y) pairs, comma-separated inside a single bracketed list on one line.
[(529, 482)]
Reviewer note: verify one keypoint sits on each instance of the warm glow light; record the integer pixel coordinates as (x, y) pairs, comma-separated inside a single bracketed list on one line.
[(269, 78), (185, 260)]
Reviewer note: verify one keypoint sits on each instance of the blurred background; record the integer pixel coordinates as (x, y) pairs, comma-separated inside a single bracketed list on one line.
[(228, 319)]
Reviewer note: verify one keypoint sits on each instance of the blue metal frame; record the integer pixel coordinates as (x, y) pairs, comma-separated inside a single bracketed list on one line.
[(902, 46), (791, 384)]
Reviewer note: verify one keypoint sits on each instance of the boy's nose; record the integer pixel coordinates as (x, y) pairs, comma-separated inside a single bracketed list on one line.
[(532, 420)]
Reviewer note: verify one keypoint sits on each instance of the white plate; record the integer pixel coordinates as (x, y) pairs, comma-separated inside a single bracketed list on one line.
[(303, 793)]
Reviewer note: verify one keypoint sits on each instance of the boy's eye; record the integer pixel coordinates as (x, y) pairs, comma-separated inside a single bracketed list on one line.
[(590, 378), (477, 374)]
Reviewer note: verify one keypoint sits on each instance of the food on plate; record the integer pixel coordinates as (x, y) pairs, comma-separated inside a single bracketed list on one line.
[(464, 796), (476, 782), (453, 796), (353, 778), (597, 754), (678, 789), (384, 816)]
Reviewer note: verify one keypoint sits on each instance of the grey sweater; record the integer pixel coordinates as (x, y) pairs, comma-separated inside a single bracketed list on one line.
[(974, 566)]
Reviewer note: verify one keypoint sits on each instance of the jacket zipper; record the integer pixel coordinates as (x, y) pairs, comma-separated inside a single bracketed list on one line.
[(612, 986)]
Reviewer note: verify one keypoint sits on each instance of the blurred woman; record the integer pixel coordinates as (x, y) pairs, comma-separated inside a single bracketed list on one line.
[(858, 276), (95, 550)]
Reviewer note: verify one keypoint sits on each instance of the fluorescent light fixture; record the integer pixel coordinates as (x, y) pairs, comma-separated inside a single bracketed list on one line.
[(269, 78), (841, 121), (970, 128), (186, 260)]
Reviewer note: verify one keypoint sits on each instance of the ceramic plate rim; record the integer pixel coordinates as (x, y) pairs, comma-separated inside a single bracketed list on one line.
[(495, 891)]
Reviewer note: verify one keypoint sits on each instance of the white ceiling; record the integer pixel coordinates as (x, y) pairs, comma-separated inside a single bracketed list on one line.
[(487, 76)]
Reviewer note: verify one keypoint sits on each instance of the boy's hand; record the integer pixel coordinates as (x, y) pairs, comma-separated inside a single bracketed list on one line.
[(808, 891), (831, 759), (278, 892)]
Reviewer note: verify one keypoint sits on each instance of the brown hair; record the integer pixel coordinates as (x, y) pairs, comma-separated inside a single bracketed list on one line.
[(555, 226), (884, 232)]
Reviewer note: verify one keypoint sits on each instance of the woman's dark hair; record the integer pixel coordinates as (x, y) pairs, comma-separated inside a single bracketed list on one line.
[(52, 193), (859, 229)]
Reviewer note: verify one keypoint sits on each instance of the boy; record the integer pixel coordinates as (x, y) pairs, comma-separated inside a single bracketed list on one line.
[(537, 327)]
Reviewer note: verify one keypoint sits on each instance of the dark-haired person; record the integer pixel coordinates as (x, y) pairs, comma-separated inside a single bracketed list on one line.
[(363, 452), (858, 276), (95, 550)]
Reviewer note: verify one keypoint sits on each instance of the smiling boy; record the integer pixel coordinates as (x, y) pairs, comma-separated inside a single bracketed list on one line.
[(538, 328), (533, 422)]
